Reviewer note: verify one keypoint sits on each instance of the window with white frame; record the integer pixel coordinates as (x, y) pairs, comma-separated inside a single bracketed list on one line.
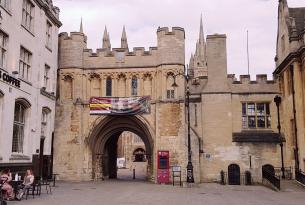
[(46, 77), (49, 35), (25, 63), (19, 127), (5, 4), (28, 15), (3, 49), (256, 115)]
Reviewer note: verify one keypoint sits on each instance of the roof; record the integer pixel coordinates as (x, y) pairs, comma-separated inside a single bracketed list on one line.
[(299, 15)]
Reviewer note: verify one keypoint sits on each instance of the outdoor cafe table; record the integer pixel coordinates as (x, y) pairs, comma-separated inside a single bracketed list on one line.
[(15, 185)]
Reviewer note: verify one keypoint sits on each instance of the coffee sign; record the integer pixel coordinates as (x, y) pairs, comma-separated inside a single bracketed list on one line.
[(9, 79)]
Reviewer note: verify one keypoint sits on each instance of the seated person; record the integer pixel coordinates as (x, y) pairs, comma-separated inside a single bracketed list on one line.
[(27, 183), (5, 178)]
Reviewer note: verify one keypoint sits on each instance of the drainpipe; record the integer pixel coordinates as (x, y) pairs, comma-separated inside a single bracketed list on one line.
[(296, 154)]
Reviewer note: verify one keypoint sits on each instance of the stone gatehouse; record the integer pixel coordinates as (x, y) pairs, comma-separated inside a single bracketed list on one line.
[(233, 122)]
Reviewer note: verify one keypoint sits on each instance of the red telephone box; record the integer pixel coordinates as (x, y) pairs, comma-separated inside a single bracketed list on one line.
[(163, 167)]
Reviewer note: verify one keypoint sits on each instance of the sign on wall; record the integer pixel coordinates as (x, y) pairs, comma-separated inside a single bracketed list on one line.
[(119, 105), (9, 79)]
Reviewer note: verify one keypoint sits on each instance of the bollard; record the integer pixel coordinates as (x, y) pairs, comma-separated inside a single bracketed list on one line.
[(134, 173)]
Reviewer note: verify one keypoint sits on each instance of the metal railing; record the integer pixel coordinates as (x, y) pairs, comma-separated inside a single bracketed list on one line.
[(300, 176), (274, 180), (288, 172), (245, 178)]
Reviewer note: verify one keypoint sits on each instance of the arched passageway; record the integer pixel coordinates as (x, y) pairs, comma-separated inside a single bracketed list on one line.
[(103, 143), (139, 155)]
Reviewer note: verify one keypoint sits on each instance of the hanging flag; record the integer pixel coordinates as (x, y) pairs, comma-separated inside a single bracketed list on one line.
[(119, 105)]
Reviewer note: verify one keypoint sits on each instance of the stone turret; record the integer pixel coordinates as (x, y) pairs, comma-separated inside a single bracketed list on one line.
[(171, 45), (217, 62), (124, 43), (70, 49), (106, 40)]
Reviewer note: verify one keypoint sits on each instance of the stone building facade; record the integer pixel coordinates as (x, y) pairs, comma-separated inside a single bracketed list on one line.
[(28, 65), (85, 146), (233, 122), (290, 71)]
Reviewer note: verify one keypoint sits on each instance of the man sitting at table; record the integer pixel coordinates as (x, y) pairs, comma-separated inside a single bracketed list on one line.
[(27, 183), (5, 178)]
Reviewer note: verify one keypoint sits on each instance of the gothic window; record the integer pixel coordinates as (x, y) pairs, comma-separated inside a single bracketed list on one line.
[(134, 85), (95, 86), (19, 126), (147, 84), (170, 90), (122, 85), (256, 115), (108, 86)]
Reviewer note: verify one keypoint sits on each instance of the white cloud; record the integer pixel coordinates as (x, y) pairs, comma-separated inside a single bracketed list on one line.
[(142, 18)]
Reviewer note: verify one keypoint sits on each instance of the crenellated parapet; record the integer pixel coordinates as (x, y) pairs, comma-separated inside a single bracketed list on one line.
[(246, 79), (260, 85), (73, 51)]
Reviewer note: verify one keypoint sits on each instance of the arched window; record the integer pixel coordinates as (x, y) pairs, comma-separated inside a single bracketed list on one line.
[(134, 86), (19, 125), (44, 121), (170, 90), (108, 86), (68, 87)]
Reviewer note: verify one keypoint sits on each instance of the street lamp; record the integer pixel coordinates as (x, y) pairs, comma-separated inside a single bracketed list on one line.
[(278, 100), (190, 174)]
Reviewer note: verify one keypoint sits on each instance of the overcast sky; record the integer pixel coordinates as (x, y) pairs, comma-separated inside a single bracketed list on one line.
[(142, 18)]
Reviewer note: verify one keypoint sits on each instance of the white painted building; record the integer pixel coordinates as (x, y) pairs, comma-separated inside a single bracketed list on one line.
[(28, 71)]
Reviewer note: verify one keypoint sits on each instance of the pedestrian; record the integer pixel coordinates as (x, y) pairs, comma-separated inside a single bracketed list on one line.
[(27, 183), (5, 178)]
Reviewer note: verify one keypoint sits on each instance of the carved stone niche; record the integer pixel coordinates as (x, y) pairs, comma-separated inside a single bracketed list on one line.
[(147, 76), (94, 75)]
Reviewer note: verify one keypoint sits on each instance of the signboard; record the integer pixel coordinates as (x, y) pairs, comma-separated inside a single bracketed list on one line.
[(9, 79), (119, 105), (176, 169)]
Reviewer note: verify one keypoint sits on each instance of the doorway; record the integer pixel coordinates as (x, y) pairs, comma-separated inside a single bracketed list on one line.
[(233, 174)]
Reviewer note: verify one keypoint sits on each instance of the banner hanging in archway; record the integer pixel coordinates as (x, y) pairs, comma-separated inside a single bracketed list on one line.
[(119, 105)]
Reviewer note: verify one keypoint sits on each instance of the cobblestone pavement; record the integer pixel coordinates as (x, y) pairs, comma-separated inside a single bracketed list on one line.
[(139, 192)]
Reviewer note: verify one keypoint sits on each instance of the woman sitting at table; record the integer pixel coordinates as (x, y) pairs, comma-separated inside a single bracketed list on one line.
[(5, 178), (27, 183)]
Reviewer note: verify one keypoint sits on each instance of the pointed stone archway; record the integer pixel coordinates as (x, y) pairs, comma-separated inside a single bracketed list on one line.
[(103, 143)]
